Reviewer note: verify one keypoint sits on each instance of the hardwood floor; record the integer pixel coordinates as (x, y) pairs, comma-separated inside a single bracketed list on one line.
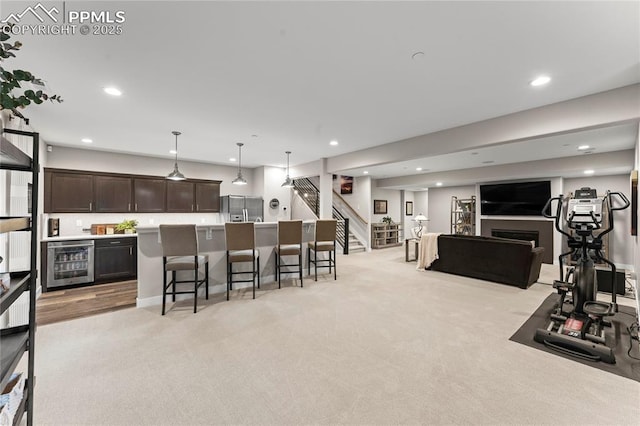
[(62, 305)]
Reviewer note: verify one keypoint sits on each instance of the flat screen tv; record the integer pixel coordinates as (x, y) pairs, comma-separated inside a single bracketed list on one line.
[(514, 199)]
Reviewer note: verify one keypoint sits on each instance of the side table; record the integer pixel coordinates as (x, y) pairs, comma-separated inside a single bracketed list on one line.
[(415, 243)]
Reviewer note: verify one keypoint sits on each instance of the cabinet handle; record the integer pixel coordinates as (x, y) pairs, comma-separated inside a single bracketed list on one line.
[(129, 207), (90, 205), (136, 206), (114, 242), (197, 207), (191, 207), (130, 251)]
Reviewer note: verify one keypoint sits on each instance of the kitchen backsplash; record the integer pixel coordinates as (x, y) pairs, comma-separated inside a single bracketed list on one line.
[(79, 224)]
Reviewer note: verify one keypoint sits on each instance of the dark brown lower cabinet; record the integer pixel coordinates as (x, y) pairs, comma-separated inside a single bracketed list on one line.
[(116, 259)]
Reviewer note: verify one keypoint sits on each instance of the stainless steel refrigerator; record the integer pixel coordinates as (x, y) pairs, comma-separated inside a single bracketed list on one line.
[(241, 208)]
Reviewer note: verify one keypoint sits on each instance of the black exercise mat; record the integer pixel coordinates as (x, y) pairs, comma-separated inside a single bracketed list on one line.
[(624, 366)]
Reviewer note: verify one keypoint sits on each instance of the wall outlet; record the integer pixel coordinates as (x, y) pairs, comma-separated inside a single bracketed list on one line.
[(209, 234), (79, 222)]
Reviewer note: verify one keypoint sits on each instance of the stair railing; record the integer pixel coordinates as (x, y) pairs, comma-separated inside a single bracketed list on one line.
[(310, 194)]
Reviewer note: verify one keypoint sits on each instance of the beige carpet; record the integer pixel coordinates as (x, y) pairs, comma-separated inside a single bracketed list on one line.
[(384, 344)]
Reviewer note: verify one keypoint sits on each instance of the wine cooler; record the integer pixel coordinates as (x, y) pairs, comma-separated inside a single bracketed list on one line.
[(69, 262)]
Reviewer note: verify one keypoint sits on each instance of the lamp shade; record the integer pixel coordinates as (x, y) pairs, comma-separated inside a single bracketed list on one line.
[(288, 183), (175, 174), (420, 217), (239, 180)]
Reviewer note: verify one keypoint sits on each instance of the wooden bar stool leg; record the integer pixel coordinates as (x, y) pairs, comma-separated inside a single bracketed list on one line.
[(228, 275), (173, 281), (206, 280), (335, 266), (300, 265), (315, 263), (278, 273), (195, 289), (164, 287)]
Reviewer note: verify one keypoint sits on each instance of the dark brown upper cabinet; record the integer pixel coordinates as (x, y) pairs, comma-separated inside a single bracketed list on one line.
[(180, 197), (77, 191), (112, 194), (149, 195), (68, 192), (208, 197)]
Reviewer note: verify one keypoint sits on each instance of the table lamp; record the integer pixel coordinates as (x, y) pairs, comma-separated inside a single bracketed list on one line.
[(420, 218)]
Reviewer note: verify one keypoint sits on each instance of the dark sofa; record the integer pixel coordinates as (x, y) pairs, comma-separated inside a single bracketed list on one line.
[(502, 260)]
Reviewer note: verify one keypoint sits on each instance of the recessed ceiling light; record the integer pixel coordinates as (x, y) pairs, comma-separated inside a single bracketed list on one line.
[(233, 160), (583, 147), (365, 172), (173, 151), (333, 143), (419, 169), (589, 172), (112, 91), (540, 81), (438, 183), (87, 140)]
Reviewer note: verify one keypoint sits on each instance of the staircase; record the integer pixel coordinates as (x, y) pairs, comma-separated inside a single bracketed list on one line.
[(311, 196)]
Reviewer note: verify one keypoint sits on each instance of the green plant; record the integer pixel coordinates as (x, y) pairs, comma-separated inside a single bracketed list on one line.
[(127, 224), (387, 220), (11, 98)]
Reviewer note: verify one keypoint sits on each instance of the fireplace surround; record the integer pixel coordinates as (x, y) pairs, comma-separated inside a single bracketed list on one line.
[(522, 230)]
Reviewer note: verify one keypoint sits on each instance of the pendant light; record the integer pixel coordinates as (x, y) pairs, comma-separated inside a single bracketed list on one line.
[(239, 180), (288, 183), (175, 174)]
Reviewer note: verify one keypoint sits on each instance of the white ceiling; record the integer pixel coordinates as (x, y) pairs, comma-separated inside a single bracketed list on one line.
[(299, 74)]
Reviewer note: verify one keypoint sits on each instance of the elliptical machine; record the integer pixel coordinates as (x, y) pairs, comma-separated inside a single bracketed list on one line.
[(580, 331)]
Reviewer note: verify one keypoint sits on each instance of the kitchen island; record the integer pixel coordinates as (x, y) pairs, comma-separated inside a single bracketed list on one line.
[(211, 242)]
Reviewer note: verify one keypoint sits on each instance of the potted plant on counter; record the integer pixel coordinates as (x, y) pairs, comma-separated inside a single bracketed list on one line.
[(127, 226), (387, 220)]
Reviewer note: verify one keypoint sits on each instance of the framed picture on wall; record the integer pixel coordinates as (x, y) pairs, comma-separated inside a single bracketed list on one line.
[(379, 206), (408, 208), (346, 184)]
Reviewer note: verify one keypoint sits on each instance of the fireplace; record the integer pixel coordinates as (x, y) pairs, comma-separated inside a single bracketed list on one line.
[(540, 231), (518, 234)]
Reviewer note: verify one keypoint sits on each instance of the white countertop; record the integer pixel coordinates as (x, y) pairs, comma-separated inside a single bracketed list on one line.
[(215, 226), (87, 237)]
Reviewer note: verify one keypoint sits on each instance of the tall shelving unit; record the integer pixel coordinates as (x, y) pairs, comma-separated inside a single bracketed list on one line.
[(463, 215), (16, 340)]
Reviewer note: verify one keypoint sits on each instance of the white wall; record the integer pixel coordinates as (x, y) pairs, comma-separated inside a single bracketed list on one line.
[(360, 198), (439, 206), (394, 208), (271, 179), (636, 242)]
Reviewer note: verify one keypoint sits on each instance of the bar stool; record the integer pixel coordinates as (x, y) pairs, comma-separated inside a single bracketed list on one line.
[(241, 247), (289, 244), (325, 240), (180, 253)]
